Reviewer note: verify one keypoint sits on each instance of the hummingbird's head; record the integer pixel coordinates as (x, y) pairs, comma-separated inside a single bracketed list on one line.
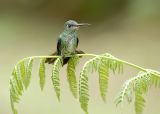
[(72, 25)]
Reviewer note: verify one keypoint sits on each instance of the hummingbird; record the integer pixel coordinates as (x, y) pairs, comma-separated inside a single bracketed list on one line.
[(67, 42)]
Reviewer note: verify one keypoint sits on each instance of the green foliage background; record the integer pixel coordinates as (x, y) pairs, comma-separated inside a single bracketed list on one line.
[(130, 32)]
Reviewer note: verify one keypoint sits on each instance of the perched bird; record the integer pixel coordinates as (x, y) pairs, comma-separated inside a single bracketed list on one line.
[(67, 42)]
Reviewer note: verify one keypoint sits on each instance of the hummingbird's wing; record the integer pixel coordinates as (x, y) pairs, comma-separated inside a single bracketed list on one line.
[(58, 52), (77, 41), (59, 46)]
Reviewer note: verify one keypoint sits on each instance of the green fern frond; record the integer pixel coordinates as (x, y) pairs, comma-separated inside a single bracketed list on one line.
[(134, 87), (71, 76), (17, 79), (102, 64), (16, 88), (14, 91), (143, 82), (113, 63), (103, 78), (125, 93), (139, 103), (107, 62), (91, 65), (20, 79), (156, 81), (29, 71), (42, 73), (55, 76), (155, 78), (83, 90), (23, 72), (139, 85)]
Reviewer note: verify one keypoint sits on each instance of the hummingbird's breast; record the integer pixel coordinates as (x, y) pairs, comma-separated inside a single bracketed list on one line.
[(69, 44)]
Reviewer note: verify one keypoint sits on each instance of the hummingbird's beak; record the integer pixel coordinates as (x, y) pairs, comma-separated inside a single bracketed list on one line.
[(83, 24)]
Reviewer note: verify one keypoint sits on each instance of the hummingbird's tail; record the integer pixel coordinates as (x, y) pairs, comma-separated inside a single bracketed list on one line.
[(65, 59)]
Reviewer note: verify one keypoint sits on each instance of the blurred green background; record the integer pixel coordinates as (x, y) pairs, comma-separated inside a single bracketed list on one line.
[(128, 29)]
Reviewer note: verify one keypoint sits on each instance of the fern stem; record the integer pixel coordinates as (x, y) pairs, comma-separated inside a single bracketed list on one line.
[(132, 65), (88, 54), (92, 55), (119, 60)]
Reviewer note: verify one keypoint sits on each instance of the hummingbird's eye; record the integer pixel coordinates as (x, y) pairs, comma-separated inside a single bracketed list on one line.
[(69, 26)]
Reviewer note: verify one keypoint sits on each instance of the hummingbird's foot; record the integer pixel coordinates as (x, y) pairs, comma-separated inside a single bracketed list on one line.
[(79, 52)]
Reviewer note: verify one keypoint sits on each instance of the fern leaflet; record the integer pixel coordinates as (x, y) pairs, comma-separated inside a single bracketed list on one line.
[(139, 99), (42, 73), (71, 76), (155, 78), (29, 71), (103, 78), (83, 84), (55, 76), (20, 79), (23, 72)]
